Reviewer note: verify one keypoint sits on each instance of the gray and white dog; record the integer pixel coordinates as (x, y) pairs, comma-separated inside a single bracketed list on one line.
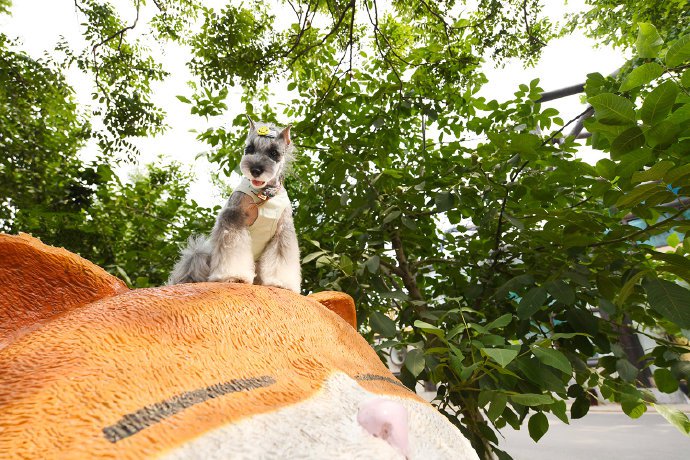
[(253, 239)]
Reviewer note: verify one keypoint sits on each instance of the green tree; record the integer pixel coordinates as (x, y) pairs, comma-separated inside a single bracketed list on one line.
[(466, 229), (43, 185), (135, 227), (132, 228)]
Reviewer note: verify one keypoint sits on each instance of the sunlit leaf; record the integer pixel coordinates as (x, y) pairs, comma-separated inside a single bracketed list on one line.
[(649, 41), (503, 356)]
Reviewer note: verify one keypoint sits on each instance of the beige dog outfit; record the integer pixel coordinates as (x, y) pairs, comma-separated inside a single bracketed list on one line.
[(270, 210)]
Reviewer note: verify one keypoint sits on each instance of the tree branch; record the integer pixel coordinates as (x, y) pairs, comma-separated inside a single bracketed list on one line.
[(405, 272), (334, 29), (120, 33), (528, 28), (588, 112)]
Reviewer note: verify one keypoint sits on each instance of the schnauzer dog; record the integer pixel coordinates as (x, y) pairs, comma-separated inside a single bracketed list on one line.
[(253, 239)]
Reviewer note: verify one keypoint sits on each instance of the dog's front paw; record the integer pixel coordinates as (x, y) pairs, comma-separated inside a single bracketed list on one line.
[(231, 278)]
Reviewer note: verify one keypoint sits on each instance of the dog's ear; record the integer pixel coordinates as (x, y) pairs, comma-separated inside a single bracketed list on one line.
[(285, 135), (251, 123)]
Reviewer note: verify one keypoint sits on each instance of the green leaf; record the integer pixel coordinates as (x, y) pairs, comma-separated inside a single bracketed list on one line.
[(183, 99), (648, 42), (538, 425), (391, 216), (685, 79), (558, 409), (613, 109), (373, 264), (675, 417), (669, 300), (501, 321), (123, 274), (676, 173), (627, 141), (456, 364), (430, 328), (568, 335), (382, 324), (414, 362), (673, 240), (308, 258), (409, 223), (531, 302), (561, 291), (663, 133), (638, 194), (498, 405), (455, 331), (553, 358), (626, 370), (634, 161), (444, 201), (659, 102), (544, 376), (656, 172), (503, 356), (628, 287), (606, 168), (467, 372), (531, 399), (580, 407), (634, 408), (676, 260), (679, 52), (517, 223), (485, 396), (513, 284), (397, 295), (665, 381), (346, 264), (641, 76)]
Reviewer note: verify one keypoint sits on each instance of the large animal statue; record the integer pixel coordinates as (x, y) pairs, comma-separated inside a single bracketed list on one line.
[(91, 369)]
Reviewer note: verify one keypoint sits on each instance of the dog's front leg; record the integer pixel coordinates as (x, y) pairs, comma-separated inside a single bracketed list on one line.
[(231, 247), (279, 264)]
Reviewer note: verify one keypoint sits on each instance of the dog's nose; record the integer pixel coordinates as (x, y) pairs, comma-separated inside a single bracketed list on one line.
[(256, 171)]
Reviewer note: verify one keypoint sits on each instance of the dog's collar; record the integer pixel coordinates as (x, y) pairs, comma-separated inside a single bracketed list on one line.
[(259, 196)]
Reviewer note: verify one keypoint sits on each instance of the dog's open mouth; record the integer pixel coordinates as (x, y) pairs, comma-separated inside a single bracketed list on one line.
[(258, 183)]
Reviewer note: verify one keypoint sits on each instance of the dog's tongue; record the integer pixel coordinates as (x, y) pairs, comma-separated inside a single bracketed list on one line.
[(258, 183)]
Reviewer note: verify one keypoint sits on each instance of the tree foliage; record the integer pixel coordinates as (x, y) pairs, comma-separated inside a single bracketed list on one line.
[(467, 229)]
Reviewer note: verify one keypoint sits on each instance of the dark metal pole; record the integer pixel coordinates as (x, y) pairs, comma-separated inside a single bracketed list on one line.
[(563, 92)]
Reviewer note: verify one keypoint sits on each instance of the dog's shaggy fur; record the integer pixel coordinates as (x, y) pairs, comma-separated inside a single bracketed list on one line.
[(227, 254)]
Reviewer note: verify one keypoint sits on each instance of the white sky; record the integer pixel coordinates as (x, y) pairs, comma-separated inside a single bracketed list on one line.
[(39, 24)]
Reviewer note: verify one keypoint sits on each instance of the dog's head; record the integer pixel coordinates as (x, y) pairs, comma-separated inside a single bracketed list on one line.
[(267, 152)]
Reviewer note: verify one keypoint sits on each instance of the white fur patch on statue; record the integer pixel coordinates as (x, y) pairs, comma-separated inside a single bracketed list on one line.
[(327, 424)]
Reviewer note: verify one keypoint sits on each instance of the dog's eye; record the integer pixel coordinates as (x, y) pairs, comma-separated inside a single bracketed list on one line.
[(248, 150), (273, 154)]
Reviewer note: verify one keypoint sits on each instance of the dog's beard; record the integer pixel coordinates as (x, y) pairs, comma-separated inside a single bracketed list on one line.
[(268, 178)]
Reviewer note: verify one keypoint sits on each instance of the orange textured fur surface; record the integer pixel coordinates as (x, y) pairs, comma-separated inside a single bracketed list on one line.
[(89, 368)]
